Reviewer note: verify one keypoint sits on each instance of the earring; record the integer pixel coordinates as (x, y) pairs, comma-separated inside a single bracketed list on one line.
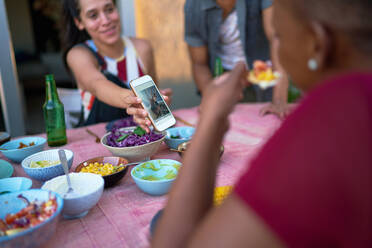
[(312, 64)]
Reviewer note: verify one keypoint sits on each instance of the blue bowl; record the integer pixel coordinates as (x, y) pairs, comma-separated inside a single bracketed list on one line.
[(16, 154), (142, 175), (46, 173), (33, 236), (14, 184), (6, 169), (184, 134)]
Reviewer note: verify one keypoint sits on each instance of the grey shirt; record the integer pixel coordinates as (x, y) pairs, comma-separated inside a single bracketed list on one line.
[(204, 17)]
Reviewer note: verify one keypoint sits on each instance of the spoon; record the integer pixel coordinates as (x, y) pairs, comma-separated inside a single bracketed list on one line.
[(126, 165), (62, 157)]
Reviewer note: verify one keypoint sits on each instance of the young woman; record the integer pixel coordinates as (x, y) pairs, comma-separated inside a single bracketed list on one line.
[(311, 184), (102, 61)]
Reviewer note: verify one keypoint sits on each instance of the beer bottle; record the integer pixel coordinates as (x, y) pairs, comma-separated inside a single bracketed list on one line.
[(218, 69), (293, 93), (54, 114)]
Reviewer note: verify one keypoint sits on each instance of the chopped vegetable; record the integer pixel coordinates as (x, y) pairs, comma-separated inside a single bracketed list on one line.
[(139, 131), (133, 138), (125, 122), (23, 145), (102, 169), (43, 163), (121, 138), (33, 214), (175, 136)]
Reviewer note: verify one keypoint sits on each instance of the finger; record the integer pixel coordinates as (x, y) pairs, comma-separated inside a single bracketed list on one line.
[(130, 100), (167, 92), (139, 112), (237, 73), (143, 123)]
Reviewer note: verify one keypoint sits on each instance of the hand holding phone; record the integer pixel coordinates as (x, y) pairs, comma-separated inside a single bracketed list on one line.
[(153, 102)]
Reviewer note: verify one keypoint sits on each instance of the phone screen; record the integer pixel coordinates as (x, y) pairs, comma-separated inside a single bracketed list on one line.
[(152, 101)]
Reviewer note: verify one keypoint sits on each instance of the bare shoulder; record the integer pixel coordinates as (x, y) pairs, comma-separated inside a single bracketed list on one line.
[(142, 46), (80, 55)]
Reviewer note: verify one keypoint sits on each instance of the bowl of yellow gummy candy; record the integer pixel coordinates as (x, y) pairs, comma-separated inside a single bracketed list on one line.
[(112, 169)]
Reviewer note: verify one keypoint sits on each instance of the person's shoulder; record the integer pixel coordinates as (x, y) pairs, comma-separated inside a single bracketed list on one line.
[(347, 89), (80, 53), (141, 45)]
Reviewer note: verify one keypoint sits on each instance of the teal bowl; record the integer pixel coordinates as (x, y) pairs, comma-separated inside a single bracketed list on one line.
[(177, 135), (6, 169), (34, 236), (14, 184), (155, 177), (16, 154)]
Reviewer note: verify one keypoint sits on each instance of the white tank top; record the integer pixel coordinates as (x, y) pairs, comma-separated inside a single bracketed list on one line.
[(231, 49)]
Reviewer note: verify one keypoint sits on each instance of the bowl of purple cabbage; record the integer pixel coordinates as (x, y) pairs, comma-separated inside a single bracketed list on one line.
[(132, 143)]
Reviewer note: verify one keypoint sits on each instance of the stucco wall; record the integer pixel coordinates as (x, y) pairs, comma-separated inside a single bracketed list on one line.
[(162, 22)]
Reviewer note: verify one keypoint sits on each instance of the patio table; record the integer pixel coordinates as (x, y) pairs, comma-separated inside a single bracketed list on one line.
[(123, 215)]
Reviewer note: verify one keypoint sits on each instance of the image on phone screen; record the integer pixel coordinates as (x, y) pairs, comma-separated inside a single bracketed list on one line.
[(152, 101)]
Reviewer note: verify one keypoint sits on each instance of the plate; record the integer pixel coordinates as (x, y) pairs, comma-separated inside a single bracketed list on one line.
[(263, 84), (6, 169), (154, 221)]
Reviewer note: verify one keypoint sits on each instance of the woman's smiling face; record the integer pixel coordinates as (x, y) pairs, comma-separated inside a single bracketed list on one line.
[(100, 19)]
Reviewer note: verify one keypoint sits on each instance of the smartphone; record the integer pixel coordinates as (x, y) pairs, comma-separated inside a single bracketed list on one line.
[(153, 102)]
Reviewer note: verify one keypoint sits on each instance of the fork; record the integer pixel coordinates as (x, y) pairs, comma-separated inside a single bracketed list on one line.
[(98, 139)]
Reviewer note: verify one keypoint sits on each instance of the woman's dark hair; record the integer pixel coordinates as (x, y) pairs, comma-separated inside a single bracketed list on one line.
[(352, 17), (70, 34)]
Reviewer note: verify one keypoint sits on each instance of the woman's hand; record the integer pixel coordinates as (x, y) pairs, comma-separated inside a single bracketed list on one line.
[(140, 116), (167, 95), (223, 93), (281, 110)]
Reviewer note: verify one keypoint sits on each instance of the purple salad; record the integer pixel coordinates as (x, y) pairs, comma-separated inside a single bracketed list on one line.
[(125, 138)]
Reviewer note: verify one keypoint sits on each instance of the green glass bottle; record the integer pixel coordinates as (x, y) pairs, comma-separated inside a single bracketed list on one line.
[(293, 93), (218, 69), (54, 114)]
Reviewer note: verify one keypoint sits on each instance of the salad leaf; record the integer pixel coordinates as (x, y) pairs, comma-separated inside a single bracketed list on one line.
[(123, 137), (139, 131)]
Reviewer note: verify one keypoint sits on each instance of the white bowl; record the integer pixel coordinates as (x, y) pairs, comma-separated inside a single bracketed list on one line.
[(46, 173), (88, 188), (134, 153)]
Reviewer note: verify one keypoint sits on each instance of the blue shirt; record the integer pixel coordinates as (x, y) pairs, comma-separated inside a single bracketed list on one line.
[(203, 19)]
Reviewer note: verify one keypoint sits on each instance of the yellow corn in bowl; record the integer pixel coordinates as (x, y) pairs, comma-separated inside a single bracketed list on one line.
[(107, 167)]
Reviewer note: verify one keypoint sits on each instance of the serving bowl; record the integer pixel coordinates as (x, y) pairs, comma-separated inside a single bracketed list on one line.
[(14, 184), (33, 236), (133, 153), (6, 169), (88, 188), (155, 177), (177, 135), (110, 179), (183, 147), (46, 173), (11, 151)]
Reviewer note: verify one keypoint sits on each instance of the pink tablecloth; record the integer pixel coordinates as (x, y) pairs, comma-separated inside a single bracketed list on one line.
[(123, 214)]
